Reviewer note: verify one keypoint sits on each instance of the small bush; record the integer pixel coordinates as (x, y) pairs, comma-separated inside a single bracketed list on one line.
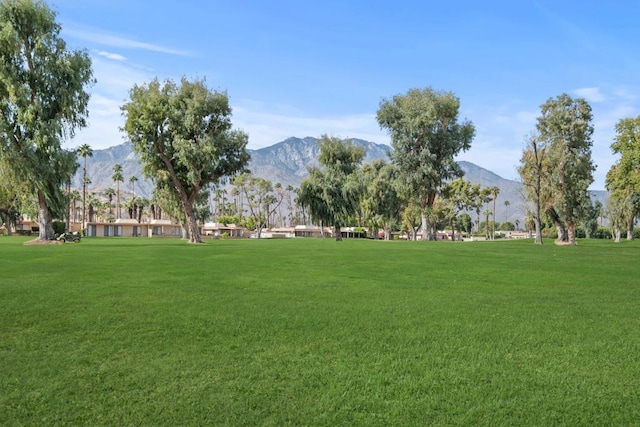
[(35, 229), (603, 233), (59, 227)]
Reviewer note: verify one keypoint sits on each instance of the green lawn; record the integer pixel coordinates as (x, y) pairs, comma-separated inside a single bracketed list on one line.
[(317, 332)]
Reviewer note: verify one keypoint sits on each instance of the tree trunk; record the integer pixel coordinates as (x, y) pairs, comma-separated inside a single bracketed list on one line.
[(337, 233), (617, 235), (68, 217), (6, 219), (45, 220), (538, 225), (571, 232), (424, 226), (192, 223), (560, 228), (453, 230), (630, 228)]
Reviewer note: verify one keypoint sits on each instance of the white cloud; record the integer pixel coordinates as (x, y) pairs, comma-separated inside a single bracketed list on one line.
[(110, 55), (591, 94), (97, 36), (114, 79)]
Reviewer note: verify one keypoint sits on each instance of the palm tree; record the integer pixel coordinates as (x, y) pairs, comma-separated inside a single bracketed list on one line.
[(75, 197), (506, 210), (93, 202), (117, 178), (494, 192), (110, 192), (84, 151), (133, 179), (487, 214)]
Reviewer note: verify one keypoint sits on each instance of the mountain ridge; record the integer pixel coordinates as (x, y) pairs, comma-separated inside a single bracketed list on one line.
[(287, 162)]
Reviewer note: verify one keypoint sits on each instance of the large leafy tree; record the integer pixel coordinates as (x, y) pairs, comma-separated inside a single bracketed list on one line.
[(532, 171), (458, 195), (183, 135), (566, 131), (426, 135), (42, 101), (623, 179), (332, 191), (381, 202), (261, 197), (10, 190)]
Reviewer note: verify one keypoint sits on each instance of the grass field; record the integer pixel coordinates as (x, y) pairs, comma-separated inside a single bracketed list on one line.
[(318, 332)]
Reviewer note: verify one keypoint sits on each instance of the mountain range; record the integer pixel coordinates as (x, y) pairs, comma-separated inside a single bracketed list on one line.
[(287, 162)]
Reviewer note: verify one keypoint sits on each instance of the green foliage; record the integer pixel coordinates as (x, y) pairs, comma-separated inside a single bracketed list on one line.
[(381, 202), (589, 223), (333, 192), (566, 131), (464, 223), (184, 138), (42, 101), (260, 196), (507, 226), (426, 135), (59, 227), (228, 219), (623, 179), (369, 333)]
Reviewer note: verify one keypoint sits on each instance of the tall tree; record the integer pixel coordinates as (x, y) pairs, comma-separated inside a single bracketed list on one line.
[(261, 198), (426, 136), (565, 129), (494, 194), (532, 171), (132, 180), (183, 135), (117, 177), (84, 151), (42, 101), (506, 210), (10, 190), (623, 179), (458, 195), (332, 191), (110, 192), (381, 198)]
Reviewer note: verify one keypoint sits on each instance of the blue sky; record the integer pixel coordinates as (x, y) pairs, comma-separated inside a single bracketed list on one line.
[(295, 68)]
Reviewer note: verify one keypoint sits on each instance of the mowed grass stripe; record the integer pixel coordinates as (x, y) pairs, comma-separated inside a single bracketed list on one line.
[(315, 332)]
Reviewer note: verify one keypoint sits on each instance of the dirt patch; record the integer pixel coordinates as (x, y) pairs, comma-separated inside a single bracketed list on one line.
[(563, 243), (37, 242)]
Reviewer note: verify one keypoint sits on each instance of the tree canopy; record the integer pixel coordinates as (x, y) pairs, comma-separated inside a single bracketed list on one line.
[(43, 100), (184, 137), (623, 179), (565, 124), (557, 164), (332, 191), (426, 135)]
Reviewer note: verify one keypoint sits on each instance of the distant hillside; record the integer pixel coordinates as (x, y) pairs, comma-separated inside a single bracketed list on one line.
[(287, 162)]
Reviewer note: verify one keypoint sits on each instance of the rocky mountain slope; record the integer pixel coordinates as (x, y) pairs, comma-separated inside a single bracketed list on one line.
[(287, 162)]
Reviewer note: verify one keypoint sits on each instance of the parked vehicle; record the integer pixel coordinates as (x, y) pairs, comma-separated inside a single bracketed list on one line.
[(69, 237)]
